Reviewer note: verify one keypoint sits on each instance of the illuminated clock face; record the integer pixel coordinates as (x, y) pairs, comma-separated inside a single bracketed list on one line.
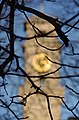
[(40, 63)]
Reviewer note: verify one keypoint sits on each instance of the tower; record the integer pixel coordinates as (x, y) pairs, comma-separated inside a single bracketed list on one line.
[(37, 64)]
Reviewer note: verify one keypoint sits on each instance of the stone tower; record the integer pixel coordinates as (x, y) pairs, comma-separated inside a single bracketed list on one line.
[(36, 63)]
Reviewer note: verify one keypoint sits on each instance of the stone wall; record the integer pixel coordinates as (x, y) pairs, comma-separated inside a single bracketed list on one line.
[(36, 107)]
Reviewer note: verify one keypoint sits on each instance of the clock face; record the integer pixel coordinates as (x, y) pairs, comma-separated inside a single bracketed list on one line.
[(40, 63)]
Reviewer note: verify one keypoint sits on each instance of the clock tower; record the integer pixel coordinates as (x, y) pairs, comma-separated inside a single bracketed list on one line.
[(37, 53)]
